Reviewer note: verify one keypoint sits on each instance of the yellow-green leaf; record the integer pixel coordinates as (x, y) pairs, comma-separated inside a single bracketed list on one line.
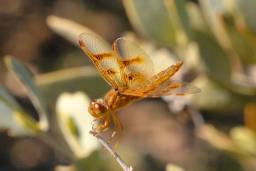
[(23, 75)]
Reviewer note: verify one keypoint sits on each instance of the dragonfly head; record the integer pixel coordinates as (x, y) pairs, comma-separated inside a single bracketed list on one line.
[(97, 108)]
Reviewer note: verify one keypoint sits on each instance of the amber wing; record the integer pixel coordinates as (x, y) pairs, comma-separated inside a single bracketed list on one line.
[(127, 68), (136, 66), (123, 66), (161, 85), (101, 54)]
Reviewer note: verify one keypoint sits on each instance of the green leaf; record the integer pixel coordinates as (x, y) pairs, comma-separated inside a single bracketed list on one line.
[(246, 8), (22, 74), (196, 18), (244, 139), (217, 99), (213, 11), (218, 64), (84, 79), (13, 118), (220, 53), (216, 138), (241, 41), (66, 28), (178, 14), (151, 18), (8, 99), (172, 167), (72, 125)]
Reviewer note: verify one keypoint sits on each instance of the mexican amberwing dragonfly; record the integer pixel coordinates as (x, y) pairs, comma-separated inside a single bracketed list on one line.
[(129, 71)]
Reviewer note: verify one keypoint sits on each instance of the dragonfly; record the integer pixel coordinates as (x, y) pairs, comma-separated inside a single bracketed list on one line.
[(130, 72)]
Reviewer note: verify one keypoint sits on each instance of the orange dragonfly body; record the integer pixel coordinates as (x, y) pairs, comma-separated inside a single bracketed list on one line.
[(129, 71)]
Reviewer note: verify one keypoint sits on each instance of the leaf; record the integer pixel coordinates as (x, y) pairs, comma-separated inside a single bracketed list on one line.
[(8, 99), (172, 167), (221, 56), (180, 19), (151, 18), (217, 99), (22, 74), (244, 139), (216, 138), (75, 123), (247, 11), (218, 64), (13, 118), (66, 28), (213, 10), (240, 42), (196, 18), (84, 79)]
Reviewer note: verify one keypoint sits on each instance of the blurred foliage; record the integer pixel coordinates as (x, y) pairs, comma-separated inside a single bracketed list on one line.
[(217, 58), (71, 146), (224, 36), (171, 167), (239, 144), (215, 39)]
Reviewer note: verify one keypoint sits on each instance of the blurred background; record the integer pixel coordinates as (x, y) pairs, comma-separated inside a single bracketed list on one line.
[(44, 121)]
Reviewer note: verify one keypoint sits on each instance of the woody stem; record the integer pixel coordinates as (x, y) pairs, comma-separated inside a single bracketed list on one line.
[(112, 152)]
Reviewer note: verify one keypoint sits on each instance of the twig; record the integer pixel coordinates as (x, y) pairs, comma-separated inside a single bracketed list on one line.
[(45, 137), (196, 116), (112, 152)]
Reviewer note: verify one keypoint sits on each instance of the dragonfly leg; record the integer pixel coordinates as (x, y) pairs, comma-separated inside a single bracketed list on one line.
[(118, 127), (101, 123), (95, 115), (104, 123)]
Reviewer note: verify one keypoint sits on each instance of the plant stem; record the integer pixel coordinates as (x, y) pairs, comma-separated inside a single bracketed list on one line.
[(45, 137), (112, 152)]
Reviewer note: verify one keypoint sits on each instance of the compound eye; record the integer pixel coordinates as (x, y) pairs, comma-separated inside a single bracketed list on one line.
[(98, 107)]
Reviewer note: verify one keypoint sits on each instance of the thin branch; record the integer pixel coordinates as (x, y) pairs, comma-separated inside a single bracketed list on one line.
[(196, 116), (45, 137), (112, 152)]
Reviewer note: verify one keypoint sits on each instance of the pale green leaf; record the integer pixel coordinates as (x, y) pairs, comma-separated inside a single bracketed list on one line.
[(66, 28), (84, 79), (13, 118), (244, 139), (213, 11), (217, 99), (172, 167), (75, 123), (242, 42), (246, 8), (151, 18), (22, 74), (218, 64), (180, 20)]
